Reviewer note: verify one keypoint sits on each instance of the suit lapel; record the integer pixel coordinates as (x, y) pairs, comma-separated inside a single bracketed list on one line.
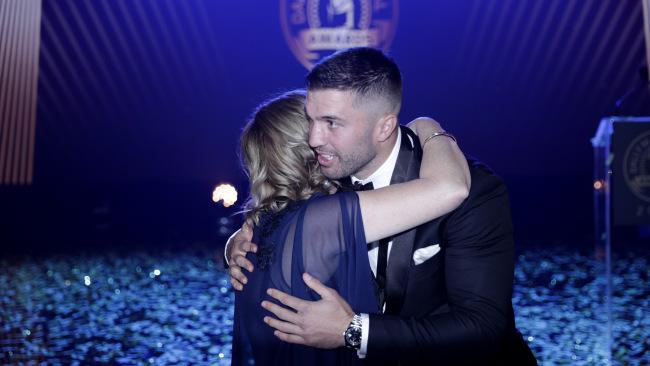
[(397, 272), (409, 158)]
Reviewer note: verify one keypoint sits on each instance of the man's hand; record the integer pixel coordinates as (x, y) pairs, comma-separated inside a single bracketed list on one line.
[(312, 323), (236, 248)]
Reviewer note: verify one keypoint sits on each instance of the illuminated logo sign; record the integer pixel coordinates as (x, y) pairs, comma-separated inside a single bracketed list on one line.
[(636, 166), (317, 28)]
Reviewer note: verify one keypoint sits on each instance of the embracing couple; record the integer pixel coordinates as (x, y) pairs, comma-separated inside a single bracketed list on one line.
[(368, 242)]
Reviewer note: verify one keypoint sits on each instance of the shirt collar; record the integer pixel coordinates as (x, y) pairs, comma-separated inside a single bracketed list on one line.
[(381, 177)]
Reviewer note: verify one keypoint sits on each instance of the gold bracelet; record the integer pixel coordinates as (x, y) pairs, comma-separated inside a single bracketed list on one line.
[(436, 134)]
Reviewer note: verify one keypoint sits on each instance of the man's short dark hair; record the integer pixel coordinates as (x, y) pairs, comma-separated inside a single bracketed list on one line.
[(366, 71)]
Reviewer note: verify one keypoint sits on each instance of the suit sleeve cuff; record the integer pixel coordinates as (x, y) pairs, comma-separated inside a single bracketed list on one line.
[(365, 327)]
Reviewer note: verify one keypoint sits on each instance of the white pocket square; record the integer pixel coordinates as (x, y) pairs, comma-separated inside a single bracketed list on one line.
[(422, 254)]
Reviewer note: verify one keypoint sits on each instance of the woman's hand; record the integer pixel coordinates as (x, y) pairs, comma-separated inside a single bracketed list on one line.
[(424, 126)]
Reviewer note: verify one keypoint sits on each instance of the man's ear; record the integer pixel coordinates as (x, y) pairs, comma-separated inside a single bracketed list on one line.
[(386, 126)]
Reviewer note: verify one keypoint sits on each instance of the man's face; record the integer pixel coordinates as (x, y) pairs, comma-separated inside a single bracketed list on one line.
[(340, 133)]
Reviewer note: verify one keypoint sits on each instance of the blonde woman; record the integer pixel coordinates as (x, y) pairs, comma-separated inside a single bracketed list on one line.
[(302, 226)]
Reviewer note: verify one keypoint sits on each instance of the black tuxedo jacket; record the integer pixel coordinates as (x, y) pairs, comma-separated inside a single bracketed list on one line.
[(456, 307)]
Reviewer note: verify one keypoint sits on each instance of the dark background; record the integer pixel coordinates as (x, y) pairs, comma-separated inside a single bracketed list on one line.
[(140, 105)]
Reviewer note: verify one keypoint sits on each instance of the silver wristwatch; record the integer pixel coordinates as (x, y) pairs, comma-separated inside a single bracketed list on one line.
[(352, 335)]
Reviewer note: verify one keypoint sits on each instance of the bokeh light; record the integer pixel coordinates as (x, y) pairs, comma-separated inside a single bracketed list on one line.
[(226, 193)]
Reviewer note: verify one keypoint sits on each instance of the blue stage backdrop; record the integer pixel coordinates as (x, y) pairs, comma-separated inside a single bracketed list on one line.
[(140, 104)]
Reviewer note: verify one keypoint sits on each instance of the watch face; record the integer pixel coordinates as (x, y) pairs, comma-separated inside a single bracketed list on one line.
[(353, 337)]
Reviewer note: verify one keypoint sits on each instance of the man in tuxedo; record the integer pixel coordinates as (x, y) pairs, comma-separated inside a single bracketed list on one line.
[(445, 287)]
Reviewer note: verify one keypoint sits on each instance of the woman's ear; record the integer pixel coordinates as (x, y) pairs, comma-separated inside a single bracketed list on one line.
[(386, 126)]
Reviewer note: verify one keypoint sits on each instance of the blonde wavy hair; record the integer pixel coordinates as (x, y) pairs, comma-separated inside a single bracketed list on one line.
[(280, 165)]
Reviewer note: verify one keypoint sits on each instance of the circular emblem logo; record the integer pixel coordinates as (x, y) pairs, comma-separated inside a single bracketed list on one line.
[(317, 28), (636, 166)]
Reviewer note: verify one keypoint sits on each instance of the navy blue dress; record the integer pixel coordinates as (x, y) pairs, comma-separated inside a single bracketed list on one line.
[(322, 236)]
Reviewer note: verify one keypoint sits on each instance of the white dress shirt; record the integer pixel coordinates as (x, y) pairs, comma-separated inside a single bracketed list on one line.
[(380, 178)]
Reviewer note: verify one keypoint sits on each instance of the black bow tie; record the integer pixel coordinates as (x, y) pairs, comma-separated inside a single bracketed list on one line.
[(357, 186)]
